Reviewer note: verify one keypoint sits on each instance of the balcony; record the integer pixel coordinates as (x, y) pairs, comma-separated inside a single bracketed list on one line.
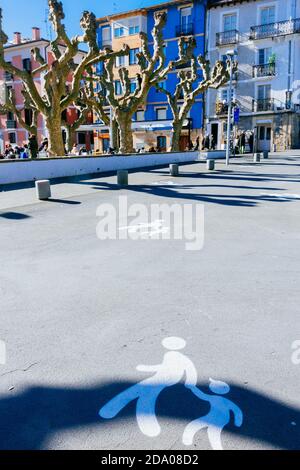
[(262, 105), (221, 108), (227, 37), (297, 108), (185, 30), (106, 43), (11, 124), (281, 28), (8, 77), (185, 65), (263, 70)]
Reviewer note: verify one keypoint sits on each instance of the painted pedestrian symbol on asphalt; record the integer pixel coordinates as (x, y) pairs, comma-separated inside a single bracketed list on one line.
[(166, 374), (218, 416), (174, 367)]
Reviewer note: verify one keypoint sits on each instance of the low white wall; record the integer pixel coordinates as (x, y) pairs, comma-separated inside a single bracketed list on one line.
[(213, 155), (19, 171)]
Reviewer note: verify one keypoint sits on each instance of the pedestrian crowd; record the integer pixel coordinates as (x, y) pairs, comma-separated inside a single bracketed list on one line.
[(29, 149)]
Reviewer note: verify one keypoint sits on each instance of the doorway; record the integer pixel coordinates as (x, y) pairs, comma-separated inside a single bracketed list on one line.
[(161, 143), (215, 133), (264, 138)]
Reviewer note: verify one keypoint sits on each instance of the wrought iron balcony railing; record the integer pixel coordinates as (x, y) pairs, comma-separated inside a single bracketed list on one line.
[(185, 29), (227, 37), (263, 70), (11, 124), (106, 43), (260, 105), (297, 108), (8, 77), (184, 65), (280, 28)]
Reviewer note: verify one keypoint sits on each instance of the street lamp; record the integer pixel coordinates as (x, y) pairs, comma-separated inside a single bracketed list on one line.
[(230, 55)]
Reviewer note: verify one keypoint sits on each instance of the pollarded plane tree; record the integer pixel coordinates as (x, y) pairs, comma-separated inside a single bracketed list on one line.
[(89, 100), (152, 70), (190, 85), (57, 96)]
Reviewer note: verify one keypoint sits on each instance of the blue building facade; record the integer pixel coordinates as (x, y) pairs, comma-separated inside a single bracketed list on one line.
[(184, 19), (153, 123)]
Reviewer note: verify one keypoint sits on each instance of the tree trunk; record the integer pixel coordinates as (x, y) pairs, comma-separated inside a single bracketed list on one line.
[(115, 135), (176, 133), (56, 143), (126, 136), (71, 138)]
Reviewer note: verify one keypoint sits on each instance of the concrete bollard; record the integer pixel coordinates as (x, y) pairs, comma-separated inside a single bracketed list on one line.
[(43, 189), (256, 158), (210, 164), (174, 169), (266, 154), (122, 177)]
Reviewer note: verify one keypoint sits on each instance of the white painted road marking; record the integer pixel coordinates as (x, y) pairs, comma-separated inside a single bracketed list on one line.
[(2, 352), (147, 229), (281, 196)]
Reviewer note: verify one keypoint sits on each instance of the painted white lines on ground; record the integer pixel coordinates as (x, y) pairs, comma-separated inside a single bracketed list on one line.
[(281, 196), (147, 230)]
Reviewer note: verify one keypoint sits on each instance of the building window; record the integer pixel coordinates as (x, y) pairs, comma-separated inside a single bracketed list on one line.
[(118, 87), (106, 35), (12, 138), (229, 22), (224, 94), (134, 29), (162, 143), (161, 114), (264, 55), (28, 116), (140, 115), (27, 65), (186, 18), (119, 32), (267, 15), (162, 85), (264, 92), (133, 56), (120, 61), (132, 85), (81, 138)]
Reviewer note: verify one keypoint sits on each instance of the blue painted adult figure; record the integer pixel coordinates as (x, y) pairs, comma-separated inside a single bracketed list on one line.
[(170, 372)]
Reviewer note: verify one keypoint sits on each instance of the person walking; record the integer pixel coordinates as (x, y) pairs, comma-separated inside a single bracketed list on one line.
[(33, 146), (251, 141), (242, 143), (44, 146)]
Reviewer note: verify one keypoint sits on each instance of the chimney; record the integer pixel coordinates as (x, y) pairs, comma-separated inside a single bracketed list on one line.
[(17, 38), (36, 34)]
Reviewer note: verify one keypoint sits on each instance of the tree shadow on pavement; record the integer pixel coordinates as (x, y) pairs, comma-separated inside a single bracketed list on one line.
[(30, 417), (14, 215), (177, 192)]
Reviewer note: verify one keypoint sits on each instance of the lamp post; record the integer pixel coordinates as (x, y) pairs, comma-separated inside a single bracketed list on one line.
[(230, 55)]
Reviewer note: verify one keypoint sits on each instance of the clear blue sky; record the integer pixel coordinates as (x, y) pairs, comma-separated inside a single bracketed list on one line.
[(21, 15)]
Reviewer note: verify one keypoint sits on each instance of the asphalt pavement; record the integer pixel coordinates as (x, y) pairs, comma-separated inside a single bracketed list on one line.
[(79, 314)]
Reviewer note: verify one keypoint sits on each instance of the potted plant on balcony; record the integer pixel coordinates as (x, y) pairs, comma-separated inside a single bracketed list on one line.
[(272, 61)]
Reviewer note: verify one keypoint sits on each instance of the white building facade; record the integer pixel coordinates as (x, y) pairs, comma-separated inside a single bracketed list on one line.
[(266, 37)]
